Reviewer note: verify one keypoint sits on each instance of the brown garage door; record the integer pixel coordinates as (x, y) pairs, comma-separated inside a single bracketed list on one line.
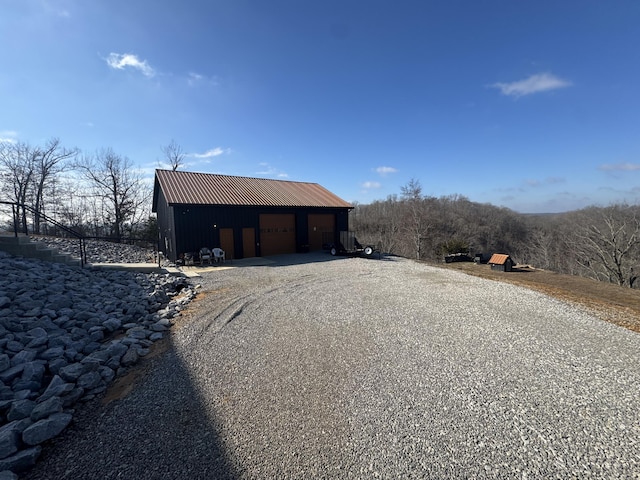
[(321, 227), (249, 242), (226, 243), (277, 234)]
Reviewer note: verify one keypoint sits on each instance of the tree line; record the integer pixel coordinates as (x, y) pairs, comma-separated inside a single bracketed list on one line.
[(98, 195), (103, 195), (602, 243)]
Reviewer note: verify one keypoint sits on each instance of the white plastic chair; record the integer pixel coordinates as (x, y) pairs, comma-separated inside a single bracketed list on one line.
[(219, 255), (205, 256)]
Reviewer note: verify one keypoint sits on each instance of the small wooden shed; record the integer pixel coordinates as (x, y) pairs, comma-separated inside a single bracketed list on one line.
[(501, 262)]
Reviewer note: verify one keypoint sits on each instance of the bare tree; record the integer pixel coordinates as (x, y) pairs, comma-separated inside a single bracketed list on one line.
[(608, 243), (17, 164), (378, 223), (415, 225), (28, 171), (173, 155), (48, 162), (412, 190), (115, 181)]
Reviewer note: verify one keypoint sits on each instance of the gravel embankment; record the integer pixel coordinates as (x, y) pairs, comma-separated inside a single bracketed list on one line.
[(354, 368), (65, 334), (99, 251)]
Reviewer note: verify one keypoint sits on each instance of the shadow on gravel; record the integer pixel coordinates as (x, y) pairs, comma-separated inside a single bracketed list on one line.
[(153, 423), (314, 257), (282, 261), (156, 425)]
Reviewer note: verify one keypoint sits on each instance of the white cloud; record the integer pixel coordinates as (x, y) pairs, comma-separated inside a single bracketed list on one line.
[(620, 167), (56, 8), (555, 180), (540, 82), (533, 182), (385, 170), (270, 171), (121, 61), (63, 13), (214, 152), (8, 136), (369, 185), (194, 79)]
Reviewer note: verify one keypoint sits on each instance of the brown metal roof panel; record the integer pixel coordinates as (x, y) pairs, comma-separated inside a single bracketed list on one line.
[(212, 189), (498, 259)]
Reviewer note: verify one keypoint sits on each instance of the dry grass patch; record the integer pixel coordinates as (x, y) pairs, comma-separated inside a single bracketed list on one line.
[(612, 303)]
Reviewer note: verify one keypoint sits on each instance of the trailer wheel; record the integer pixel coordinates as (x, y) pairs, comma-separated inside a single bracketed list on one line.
[(333, 251), (368, 251)]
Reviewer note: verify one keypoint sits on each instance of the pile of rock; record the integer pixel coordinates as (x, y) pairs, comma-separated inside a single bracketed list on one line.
[(65, 334), (100, 251)]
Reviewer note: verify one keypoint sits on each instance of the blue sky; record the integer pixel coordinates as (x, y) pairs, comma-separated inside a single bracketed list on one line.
[(534, 106)]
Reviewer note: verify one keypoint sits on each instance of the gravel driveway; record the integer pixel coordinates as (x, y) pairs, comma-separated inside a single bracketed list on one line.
[(355, 368)]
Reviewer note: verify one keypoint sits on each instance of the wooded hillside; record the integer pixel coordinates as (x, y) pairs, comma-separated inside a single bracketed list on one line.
[(602, 243)]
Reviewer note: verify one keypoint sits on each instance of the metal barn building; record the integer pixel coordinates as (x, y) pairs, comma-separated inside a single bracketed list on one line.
[(246, 217)]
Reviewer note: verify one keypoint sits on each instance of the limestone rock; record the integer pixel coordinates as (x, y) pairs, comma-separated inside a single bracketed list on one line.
[(46, 408), (46, 429), (22, 460)]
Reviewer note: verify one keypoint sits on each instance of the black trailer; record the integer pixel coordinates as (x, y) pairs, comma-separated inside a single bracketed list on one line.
[(349, 245)]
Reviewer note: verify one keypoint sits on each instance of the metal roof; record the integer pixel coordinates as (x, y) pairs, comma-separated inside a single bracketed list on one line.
[(498, 259), (192, 188)]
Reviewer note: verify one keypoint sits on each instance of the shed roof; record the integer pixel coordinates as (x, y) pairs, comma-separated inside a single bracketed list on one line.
[(192, 188), (499, 259)]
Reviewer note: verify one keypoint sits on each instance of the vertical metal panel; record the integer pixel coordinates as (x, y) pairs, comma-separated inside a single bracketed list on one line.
[(302, 236), (171, 234), (342, 220), (166, 228), (321, 226)]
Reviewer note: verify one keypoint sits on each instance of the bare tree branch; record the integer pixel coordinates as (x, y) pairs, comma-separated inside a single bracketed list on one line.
[(116, 182), (18, 166), (608, 243), (49, 161), (173, 155)]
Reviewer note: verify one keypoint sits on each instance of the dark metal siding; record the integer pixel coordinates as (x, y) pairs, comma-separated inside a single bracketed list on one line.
[(198, 226), (166, 227), (302, 231), (342, 221), (321, 227)]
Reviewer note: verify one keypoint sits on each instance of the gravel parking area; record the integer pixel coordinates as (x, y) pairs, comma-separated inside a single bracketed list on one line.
[(355, 368)]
